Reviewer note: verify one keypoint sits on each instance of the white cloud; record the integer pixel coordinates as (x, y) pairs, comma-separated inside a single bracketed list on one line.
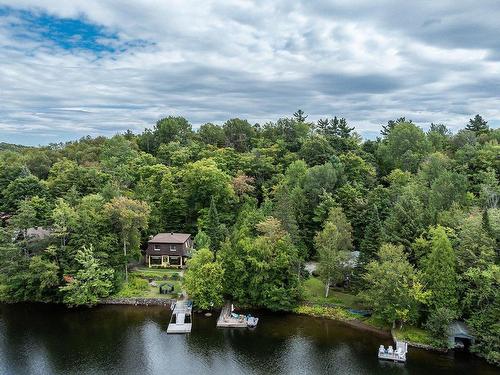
[(209, 61)]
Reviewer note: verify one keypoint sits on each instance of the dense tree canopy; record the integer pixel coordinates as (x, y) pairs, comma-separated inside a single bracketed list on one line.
[(421, 207)]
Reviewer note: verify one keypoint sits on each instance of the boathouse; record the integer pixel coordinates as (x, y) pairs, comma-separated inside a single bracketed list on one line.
[(169, 250), (459, 335)]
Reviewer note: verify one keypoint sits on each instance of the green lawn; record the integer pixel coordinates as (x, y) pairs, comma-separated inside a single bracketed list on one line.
[(336, 313), (414, 334), (314, 292)]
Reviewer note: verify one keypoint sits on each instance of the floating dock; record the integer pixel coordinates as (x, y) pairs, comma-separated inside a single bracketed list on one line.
[(396, 355), (181, 319), (228, 319)]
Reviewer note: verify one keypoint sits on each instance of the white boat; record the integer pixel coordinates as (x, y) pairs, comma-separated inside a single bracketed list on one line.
[(252, 322)]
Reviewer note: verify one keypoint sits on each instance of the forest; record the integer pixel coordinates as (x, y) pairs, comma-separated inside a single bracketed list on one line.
[(419, 208)]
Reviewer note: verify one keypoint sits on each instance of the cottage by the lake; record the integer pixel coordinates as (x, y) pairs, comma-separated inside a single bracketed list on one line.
[(169, 250)]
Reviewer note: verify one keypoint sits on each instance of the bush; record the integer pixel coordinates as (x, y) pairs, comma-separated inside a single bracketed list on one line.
[(135, 287), (438, 323), (336, 313)]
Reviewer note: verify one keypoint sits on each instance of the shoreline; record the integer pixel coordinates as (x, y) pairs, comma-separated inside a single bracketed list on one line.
[(138, 301), (351, 321), (420, 345)]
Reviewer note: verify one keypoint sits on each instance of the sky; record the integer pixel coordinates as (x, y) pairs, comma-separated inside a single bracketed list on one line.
[(95, 67)]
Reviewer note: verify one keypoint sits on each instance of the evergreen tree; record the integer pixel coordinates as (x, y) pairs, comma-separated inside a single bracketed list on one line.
[(439, 271), (300, 116), (406, 220), (344, 130), (213, 226), (91, 282), (372, 238), (386, 129), (478, 125)]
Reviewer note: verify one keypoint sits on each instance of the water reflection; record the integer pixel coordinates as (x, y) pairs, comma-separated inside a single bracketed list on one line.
[(41, 339)]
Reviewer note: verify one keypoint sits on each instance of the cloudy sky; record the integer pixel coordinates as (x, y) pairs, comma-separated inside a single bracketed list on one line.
[(72, 68)]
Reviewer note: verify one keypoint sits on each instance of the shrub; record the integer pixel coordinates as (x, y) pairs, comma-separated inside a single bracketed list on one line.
[(135, 287), (336, 313)]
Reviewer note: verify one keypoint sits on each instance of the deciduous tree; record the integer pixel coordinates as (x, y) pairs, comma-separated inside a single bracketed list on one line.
[(333, 245)]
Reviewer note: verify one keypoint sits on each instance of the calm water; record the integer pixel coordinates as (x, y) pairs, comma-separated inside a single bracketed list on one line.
[(38, 339)]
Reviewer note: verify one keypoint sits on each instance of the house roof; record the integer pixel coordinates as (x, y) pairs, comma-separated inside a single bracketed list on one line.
[(170, 238), (457, 328), (38, 232)]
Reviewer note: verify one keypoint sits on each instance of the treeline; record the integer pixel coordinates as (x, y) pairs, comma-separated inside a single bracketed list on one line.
[(420, 207)]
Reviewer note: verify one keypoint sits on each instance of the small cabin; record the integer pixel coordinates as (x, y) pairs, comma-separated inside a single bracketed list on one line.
[(169, 250), (459, 335)]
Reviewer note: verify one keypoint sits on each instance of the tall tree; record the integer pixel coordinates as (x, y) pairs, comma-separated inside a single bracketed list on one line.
[(439, 271), (478, 125), (25, 217), (20, 189), (64, 218), (372, 238), (213, 227), (404, 147), (203, 280), (482, 304), (211, 134), (393, 286), (90, 283), (386, 129), (129, 218), (333, 245), (239, 134), (300, 116), (406, 220)]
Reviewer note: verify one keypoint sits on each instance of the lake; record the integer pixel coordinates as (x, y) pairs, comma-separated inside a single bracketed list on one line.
[(47, 339)]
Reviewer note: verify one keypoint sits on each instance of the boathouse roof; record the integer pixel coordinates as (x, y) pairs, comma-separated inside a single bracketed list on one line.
[(459, 329), (170, 238)]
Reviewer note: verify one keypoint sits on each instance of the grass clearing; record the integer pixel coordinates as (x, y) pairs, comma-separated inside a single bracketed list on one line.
[(415, 335), (336, 313), (314, 292)]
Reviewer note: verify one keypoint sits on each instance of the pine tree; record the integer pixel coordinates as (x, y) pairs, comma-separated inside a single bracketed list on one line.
[(439, 271), (372, 238), (300, 116), (386, 129), (322, 125), (213, 227), (344, 130), (478, 125)]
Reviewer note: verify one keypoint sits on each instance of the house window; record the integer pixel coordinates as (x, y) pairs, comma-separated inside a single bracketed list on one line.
[(157, 247), (172, 247)]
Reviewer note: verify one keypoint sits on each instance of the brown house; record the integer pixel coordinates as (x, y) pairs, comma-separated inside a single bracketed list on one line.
[(169, 250)]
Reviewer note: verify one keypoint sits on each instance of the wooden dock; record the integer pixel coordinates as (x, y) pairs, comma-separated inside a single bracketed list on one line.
[(181, 319), (396, 355), (227, 319)]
